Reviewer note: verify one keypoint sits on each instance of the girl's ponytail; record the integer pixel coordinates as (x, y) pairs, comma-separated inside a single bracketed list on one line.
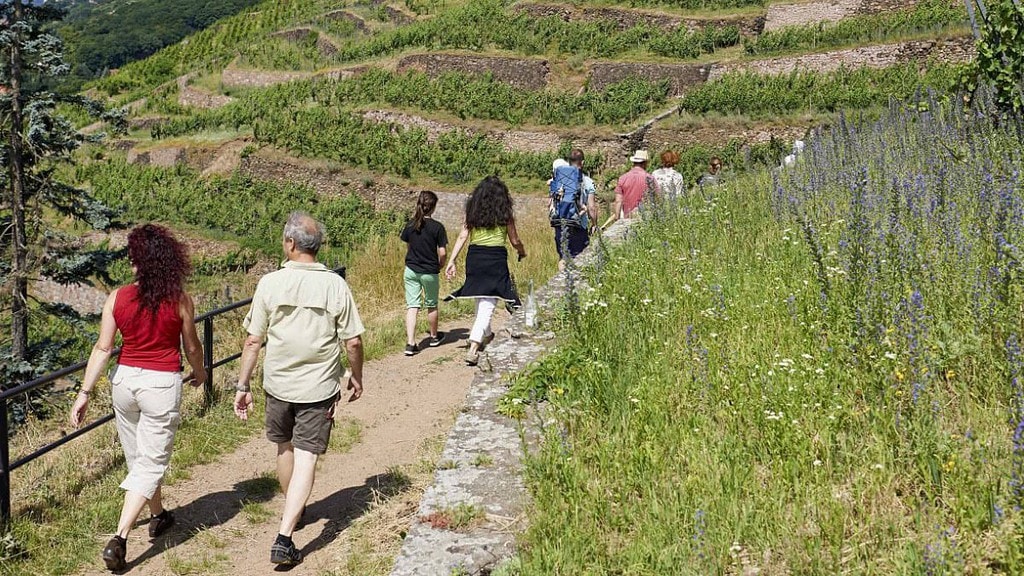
[(424, 207)]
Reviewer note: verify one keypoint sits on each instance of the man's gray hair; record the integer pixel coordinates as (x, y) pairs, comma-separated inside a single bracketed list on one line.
[(307, 232)]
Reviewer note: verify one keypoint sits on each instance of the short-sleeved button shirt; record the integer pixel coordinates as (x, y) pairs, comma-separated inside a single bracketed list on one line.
[(306, 312)]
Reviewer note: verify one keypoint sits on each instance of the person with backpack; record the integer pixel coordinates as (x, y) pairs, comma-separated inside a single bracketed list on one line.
[(427, 240), (572, 206), (633, 188)]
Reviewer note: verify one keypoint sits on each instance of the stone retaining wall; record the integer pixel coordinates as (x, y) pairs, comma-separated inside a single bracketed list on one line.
[(659, 139), (625, 19), (237, 78), (681, 77), (516, 140), (197, 157), (397, 17), (196, 98), (802, 13), (355, 19), (480, 432), (323, 45), (525, 73), (783, 15), (877, 56)]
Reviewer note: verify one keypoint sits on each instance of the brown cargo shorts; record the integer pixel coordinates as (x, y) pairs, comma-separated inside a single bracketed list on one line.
[(306, 426)]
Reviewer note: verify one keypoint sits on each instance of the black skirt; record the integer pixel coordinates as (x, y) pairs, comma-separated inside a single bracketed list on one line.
[(487, 275)]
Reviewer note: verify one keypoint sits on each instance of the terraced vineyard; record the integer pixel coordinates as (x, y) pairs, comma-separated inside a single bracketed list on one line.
[(432, 96)]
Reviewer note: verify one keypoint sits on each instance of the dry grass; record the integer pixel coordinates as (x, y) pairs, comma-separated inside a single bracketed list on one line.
[(369, 546)]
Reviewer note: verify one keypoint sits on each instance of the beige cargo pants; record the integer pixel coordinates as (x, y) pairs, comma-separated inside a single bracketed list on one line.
[(147, 411)]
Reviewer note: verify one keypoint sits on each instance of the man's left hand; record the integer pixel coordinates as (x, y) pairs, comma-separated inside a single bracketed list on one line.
[(243, 402)]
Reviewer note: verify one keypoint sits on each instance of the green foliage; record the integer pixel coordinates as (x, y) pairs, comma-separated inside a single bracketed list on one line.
[(763, 95), (1000, 60), (108, 35), (483, 24), (253, 210), (464, 96), (717, 411), (215, 44), (928, 16), (318, 130), (34, 140), (476, 25)]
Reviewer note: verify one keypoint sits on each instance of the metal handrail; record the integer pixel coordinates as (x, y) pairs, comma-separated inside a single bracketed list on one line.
[(6, 466)]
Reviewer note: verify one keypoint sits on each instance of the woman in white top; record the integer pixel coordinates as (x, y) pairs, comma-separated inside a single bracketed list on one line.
[(669, 181)]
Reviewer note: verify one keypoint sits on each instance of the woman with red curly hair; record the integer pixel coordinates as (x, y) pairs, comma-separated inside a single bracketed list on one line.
[(155, 318)]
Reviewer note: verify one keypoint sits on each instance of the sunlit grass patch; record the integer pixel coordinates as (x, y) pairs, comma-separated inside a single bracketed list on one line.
[(809, 372)]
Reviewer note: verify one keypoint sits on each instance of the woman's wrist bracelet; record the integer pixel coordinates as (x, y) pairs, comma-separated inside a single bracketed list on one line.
[(86, 392)]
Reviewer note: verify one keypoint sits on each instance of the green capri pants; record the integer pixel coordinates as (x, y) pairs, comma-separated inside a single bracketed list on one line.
[(421, 286)]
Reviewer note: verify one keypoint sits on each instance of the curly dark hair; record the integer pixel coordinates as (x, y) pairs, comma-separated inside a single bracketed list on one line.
[(489, 205), (161, 265)]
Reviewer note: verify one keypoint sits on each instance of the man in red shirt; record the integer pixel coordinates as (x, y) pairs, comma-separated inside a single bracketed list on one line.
[(631, 188)]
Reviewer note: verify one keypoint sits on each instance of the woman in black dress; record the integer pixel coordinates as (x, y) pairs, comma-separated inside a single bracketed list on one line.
[(489, 223)]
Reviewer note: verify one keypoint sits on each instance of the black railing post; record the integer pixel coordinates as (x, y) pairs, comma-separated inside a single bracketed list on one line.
[(5, 466), (208, 358)]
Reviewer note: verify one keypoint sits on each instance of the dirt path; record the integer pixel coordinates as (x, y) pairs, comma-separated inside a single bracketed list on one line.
[(407, 401)]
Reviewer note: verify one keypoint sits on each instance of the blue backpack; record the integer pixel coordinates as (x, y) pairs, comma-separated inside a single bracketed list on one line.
[(567, 206)]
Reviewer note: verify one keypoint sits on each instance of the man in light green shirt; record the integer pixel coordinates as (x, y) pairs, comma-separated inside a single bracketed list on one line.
[(306, 314)]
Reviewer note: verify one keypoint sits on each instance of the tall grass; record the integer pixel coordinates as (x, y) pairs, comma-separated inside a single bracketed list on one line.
[(811, 372)]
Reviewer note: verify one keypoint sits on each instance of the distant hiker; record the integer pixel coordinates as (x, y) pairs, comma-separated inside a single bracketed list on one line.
[(632, 188), (572, 207), (307, 316), (427, 240), (713, 176), (489, 222), (155, 318), (669, 181)]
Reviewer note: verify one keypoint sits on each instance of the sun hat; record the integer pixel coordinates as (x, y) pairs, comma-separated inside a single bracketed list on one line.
[(639, 156), (558, 163)]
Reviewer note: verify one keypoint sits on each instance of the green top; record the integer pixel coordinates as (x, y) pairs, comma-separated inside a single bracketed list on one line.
[(488, 236)]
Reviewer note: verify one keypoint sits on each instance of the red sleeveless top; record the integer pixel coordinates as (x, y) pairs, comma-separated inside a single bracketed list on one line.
[(149, 342)]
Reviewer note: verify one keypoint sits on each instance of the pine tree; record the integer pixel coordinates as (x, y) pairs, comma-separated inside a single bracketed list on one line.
[(34, 141)]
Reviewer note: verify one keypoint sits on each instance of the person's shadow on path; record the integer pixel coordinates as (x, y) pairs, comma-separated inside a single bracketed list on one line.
[(206, 512), (453, 336), (345, 506)]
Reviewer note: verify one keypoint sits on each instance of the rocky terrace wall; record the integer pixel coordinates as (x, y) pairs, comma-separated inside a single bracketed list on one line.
[(397, 17), (625, 19), (237, 78), (516, 140), (355, 19), (525, 73), (196, 98), (877, 56), (659, 139), (783, 15), (681, 77)]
